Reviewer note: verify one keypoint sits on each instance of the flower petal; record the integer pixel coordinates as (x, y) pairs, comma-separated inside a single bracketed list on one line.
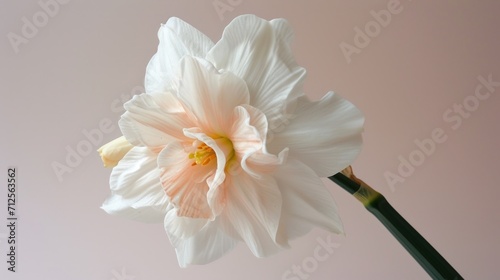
[(248, 136), (252, 212), (306, 202), (177, 39), (215, 194), (325, 135), (182, 227), (249, 130), (211, 96), (282, 30), (207, 245), (136, 191), (259, 53), (148, 121), (185, 184)]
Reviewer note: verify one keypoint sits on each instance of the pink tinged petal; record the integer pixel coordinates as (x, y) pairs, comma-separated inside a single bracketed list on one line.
[(149, 121), (325, 135), (206, 245), (168, 102), (249, 129), (248, 135), (136, 191), (306, 202), (223, 150), (258, 51), (253, 212), (177, 39), (185, 183), (209, 95)]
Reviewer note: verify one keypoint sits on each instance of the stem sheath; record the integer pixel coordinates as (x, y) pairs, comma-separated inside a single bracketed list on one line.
[(430, 259)]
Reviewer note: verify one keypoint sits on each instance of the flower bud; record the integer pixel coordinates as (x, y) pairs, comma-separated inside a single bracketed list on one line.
[(112, 152)]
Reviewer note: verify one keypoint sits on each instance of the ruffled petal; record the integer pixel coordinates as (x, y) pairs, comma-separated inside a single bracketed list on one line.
[(282, 30), (220, 152), (248, 135), (205, 246), (177, 39), (136, 191), (325, 135), (150, 122), (249, 130), (252, 212), (184, 183), (222, 149), (306, 202), (258, 52), (209, 95)]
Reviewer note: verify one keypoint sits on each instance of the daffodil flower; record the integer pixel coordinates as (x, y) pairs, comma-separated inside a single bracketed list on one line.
[(227, 148)]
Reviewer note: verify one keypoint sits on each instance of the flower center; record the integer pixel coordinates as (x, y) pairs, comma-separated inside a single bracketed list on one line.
[(204, 154)]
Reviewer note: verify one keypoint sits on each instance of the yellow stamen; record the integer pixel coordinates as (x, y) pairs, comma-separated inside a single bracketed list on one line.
[(202, 155)]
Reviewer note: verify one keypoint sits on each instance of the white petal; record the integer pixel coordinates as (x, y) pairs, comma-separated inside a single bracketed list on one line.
[(197, 43), (325, 135), (259, 53), (306, 202), (177, 39), (283, 30), (148, 122), (211, 96), (252, 213), (182, 227), (136, 192), (207, 245)]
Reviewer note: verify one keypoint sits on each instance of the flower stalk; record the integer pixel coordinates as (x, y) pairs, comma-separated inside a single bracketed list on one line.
[(431, 261)]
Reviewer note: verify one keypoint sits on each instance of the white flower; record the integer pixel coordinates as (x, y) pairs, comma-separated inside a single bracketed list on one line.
[(227, 147)]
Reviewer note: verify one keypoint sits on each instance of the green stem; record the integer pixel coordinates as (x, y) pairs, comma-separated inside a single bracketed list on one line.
[(435, 265)]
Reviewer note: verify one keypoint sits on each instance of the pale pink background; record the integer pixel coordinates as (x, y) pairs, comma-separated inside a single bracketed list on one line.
[(89, 53)]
